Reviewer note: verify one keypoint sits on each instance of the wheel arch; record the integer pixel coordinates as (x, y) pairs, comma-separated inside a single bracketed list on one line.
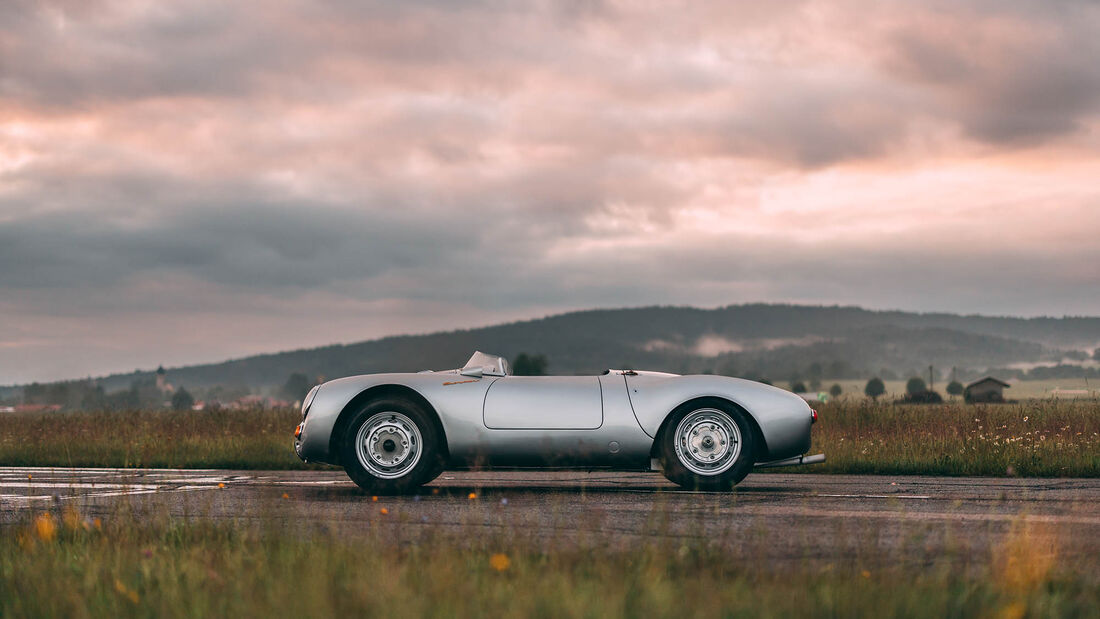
[(757, 433), (374, 393)]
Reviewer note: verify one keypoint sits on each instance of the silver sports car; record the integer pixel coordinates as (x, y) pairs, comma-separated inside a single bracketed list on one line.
[(394, 432)]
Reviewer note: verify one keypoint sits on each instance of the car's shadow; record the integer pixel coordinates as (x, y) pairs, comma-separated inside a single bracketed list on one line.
[(491, 492)]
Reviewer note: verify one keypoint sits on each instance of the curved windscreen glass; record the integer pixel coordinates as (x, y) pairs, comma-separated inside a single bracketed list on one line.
[(493, 365)]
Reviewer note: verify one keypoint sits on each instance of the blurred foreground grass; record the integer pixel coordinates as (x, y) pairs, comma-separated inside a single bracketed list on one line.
[(60, 564), (1035, 438)]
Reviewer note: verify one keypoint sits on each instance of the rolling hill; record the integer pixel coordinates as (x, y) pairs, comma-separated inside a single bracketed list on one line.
[(779, 342)]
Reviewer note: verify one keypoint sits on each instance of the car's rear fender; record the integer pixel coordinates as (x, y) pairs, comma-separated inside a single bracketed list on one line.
[(782, 418)]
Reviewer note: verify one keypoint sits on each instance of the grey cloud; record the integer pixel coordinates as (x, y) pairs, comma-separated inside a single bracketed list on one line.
[(261, 246), (1006, 72), (1009, 73), (67, 56), (709, 270), (815, 124), (57, 55)]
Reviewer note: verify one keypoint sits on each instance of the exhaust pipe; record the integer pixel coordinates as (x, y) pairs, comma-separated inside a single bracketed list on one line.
[(795, 461)]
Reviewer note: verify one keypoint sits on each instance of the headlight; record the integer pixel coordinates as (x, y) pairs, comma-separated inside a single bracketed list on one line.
[(309, 400)]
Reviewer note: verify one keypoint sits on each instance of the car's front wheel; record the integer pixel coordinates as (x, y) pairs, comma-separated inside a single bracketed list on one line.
[(392, 446), (707, 445)]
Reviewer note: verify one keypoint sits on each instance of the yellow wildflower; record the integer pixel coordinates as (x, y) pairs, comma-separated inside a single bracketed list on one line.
[(500, 562), (1015, 610), (45, 527), (127, 592)]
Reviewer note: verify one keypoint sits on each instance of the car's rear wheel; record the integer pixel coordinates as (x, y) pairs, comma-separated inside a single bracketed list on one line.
[(392, 446), (707, 445)]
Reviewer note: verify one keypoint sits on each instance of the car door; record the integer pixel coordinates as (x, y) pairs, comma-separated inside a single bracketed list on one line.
[(544, 403)]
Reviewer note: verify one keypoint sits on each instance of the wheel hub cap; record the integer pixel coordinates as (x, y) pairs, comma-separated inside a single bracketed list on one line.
[(708, 441), (388, 445)]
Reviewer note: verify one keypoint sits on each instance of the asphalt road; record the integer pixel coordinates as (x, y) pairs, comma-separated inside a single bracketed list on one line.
[(772, 518)]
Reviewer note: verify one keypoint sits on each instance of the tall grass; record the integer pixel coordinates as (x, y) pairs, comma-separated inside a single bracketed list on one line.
[(63, 565), (1041, 438), (235, 439), (1034, 438)]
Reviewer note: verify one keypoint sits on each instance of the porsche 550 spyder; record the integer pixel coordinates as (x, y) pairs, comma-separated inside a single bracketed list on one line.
[(395, 432)]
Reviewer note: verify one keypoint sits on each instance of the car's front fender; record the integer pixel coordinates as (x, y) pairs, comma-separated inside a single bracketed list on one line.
[(331, 399)]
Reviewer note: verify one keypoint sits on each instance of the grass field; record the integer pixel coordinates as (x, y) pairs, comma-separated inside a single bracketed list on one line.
[(1038, 438), (242, 439), (61, 564), (1033, 438)]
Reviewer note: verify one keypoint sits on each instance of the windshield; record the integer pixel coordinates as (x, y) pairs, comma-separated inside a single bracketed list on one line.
[(492, 365)]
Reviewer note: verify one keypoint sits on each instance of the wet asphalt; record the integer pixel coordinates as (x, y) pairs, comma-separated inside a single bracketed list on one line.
[(769, 519)]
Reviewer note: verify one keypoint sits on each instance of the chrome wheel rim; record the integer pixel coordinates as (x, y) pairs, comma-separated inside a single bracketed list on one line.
[(388, 445), (708, 441)]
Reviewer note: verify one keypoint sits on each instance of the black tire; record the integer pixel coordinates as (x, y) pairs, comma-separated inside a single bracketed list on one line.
[(728, 468), (399, 421)]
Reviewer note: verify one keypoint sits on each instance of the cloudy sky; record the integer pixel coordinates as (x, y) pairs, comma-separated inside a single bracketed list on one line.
[(191, 181)]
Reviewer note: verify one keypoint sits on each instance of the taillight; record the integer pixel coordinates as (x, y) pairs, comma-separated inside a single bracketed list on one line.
[(813, 415)]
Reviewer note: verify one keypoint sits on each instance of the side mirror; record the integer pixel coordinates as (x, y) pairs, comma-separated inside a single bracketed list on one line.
[(474, 372)]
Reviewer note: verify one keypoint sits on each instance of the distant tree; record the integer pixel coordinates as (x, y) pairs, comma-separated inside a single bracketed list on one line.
[(798, 386), (729, 368), (181, 400), (1096, 354), (296, 387), (836, 390), (143, 393), (815, 372), (764, 380), (529, 365), (815, 384), (94, 399), (225, 393), (126, 399), (955, 388), (875, 387), (839, 369), (923, 397), (915, 385)]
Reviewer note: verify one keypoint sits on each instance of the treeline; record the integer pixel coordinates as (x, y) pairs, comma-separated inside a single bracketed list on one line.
[(1048, 372), (142, 393), (777, 342)]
